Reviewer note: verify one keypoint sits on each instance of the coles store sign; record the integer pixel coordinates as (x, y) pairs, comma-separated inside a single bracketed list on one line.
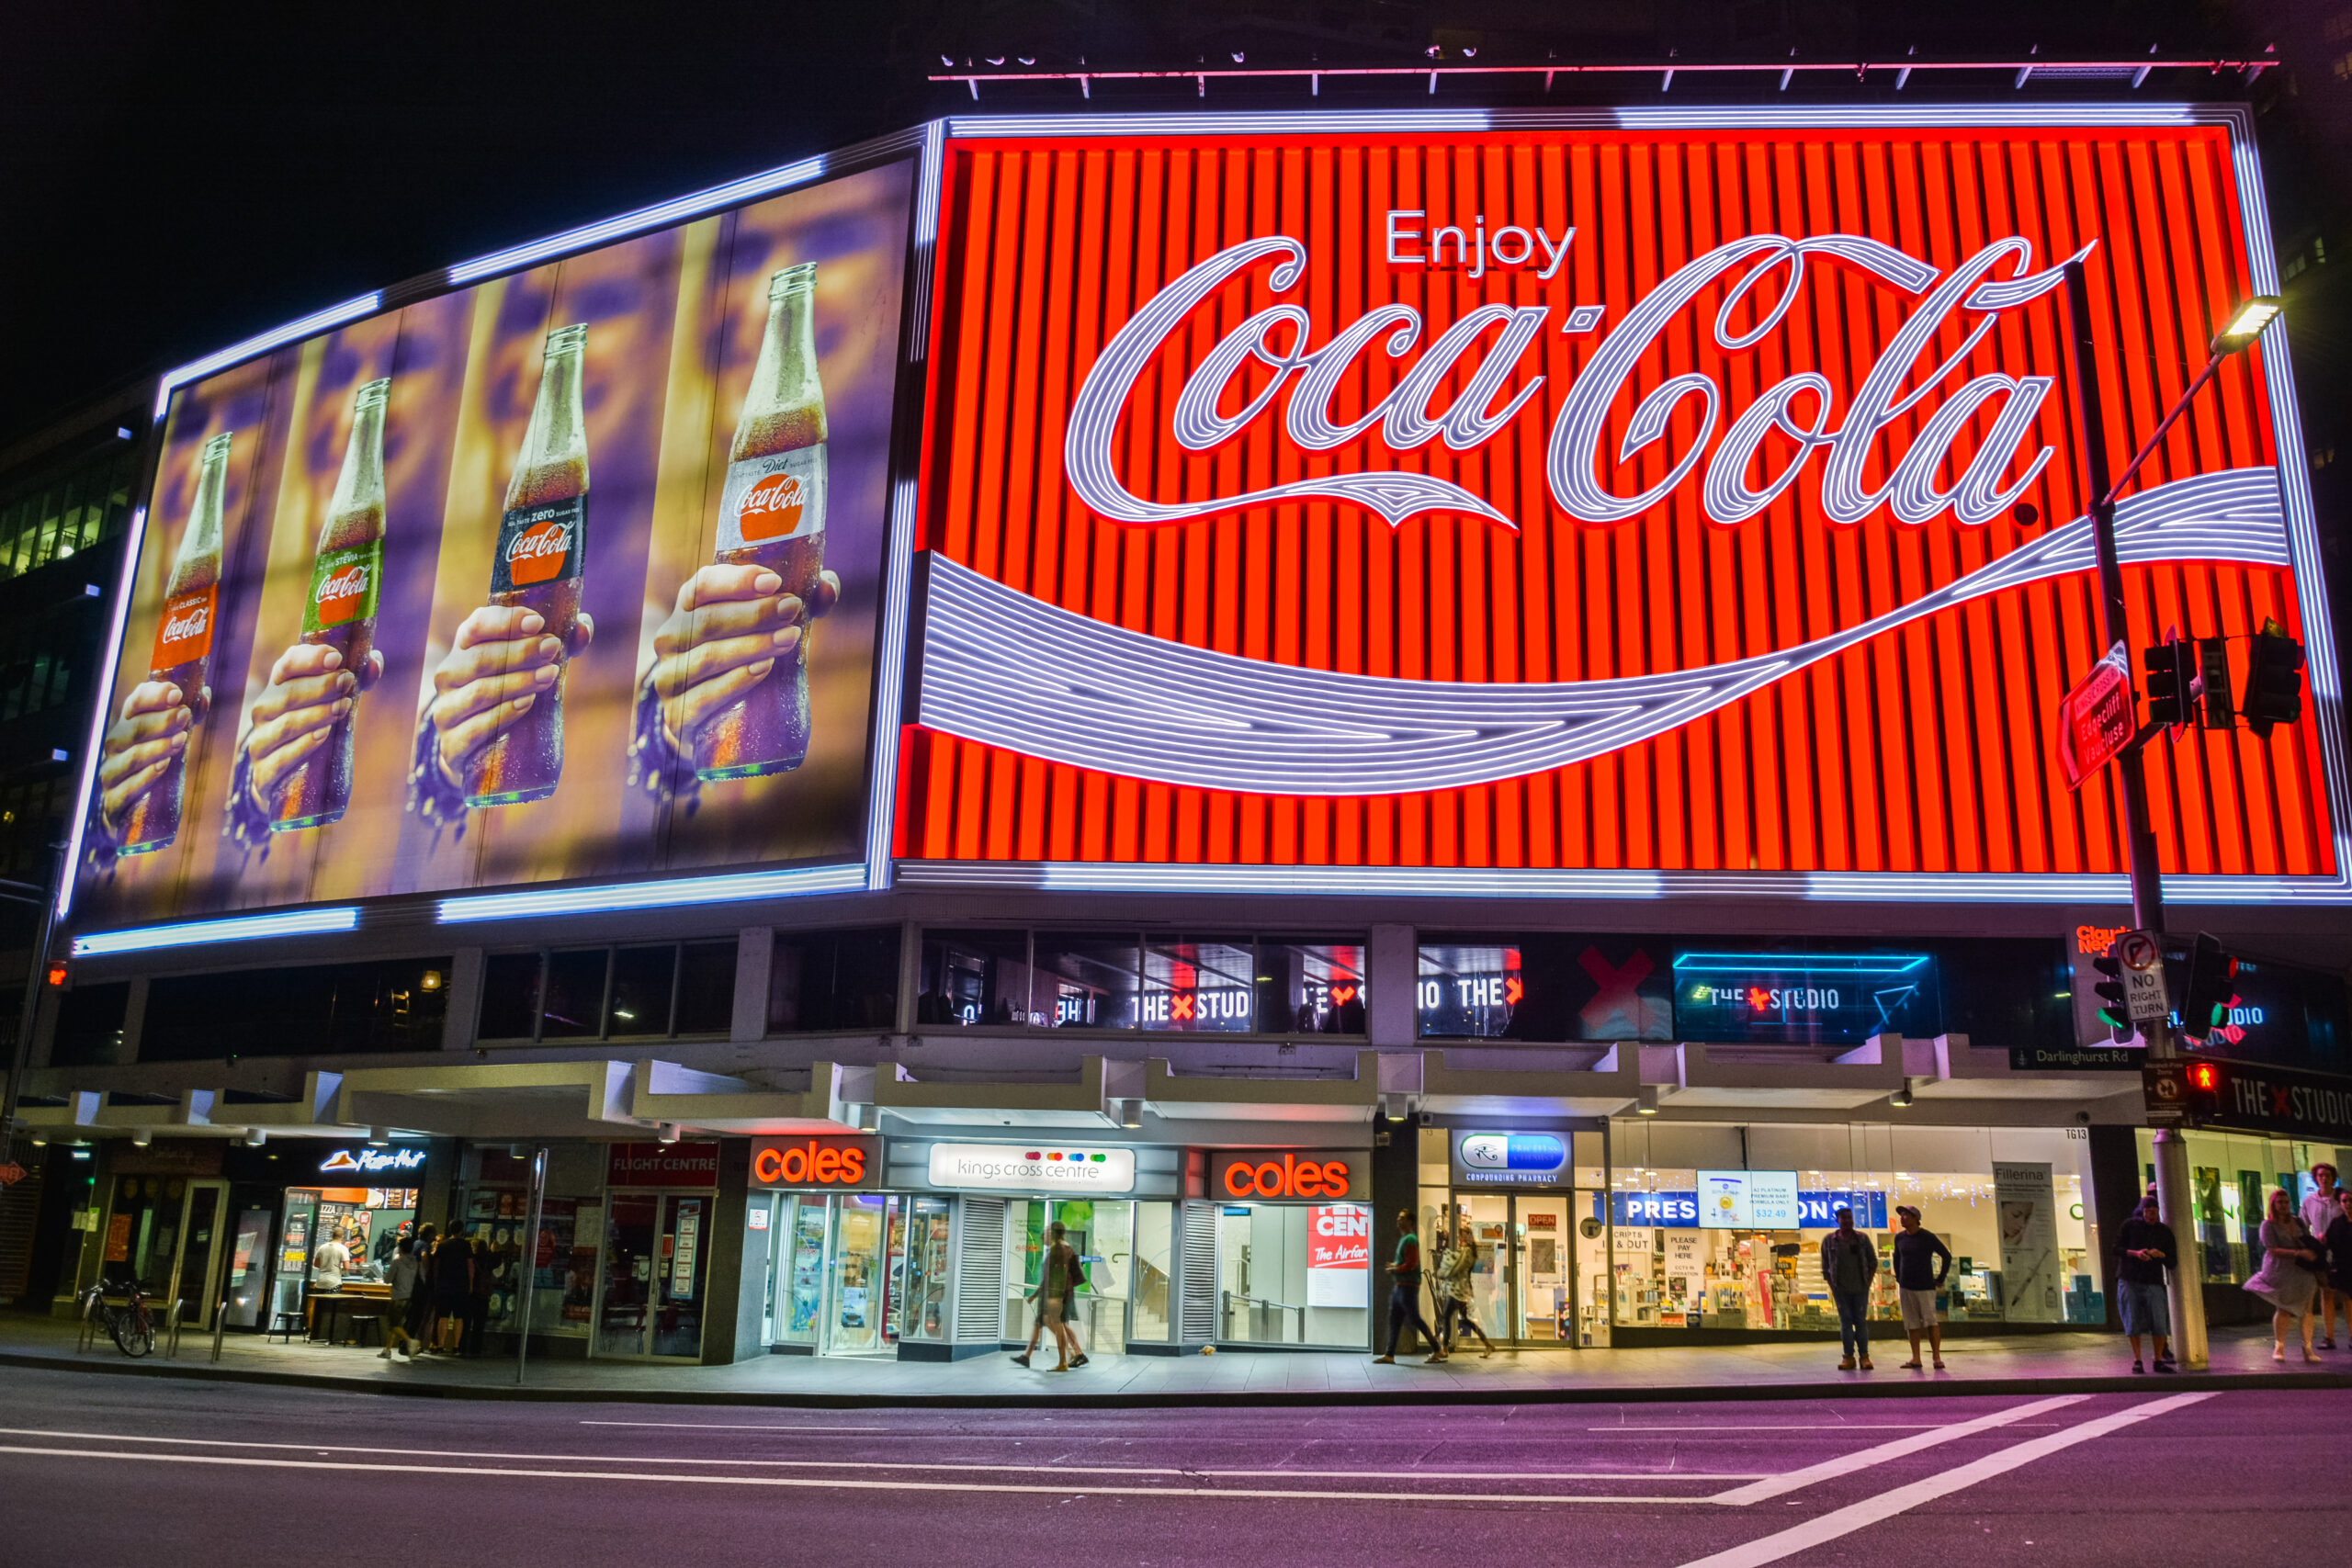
[(1658, 466)]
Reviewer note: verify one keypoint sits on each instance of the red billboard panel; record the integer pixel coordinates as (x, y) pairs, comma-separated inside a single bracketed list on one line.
[(1605, 495)]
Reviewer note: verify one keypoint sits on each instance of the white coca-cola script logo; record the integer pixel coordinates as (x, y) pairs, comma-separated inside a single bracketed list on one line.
[(190, 623), (348, 583), (1803, 407)]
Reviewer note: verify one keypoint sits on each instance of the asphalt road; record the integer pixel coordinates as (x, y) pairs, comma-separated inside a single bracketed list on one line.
[(119, 1472)]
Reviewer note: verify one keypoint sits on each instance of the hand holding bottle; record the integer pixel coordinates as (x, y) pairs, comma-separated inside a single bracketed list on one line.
[(151, 735), (309, 691), (733, 624), (501, 664)]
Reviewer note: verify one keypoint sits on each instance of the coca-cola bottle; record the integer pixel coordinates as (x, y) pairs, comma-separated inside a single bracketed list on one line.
[(183, 655), (542, 551), (346, 578), (771, 513)]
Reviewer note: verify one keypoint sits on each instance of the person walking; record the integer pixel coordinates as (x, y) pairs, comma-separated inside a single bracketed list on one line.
[(1921, 1261), (1849, 1265), (2319, 1213), (2337, 1241), (419, 1322), (1455, 1268), (1405, 1293), (2145, 1249), (1058, 1279), (2289, 1277), (403, 1276)]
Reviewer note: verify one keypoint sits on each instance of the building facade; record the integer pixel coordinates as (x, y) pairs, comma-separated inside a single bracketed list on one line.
[(1212, 681)]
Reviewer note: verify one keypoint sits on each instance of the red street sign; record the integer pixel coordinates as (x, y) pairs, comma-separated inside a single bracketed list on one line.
[(11, 1173), (2096, 720)]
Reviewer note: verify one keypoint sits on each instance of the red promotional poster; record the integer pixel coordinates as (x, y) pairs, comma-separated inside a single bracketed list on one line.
[(1339, 1255), (1570, 505)]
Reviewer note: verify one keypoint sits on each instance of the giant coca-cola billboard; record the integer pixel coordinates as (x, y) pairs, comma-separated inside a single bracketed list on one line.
[(1612, 504)]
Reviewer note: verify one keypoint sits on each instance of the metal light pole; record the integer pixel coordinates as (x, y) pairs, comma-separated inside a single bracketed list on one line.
[(2173, 1195), (530, 1262)]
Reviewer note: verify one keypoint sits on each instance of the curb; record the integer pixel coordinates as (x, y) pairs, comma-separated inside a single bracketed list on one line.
[(1652, 1393)]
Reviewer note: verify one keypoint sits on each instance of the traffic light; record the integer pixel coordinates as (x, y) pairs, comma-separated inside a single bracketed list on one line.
[(2273, 686), (2212, 988), (2172, 682), (2109, 988), (2213, 666), (2204, 1081)]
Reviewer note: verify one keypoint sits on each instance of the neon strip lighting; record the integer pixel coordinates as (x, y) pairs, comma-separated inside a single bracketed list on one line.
[(1005, 668), (659, 216), (133, 537), (2069, 69), (668, 894), (318, 321), (1451, 882), (192, 933), (1824, 963)]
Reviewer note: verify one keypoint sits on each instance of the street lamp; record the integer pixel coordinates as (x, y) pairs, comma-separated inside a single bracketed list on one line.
[(2243, 327)]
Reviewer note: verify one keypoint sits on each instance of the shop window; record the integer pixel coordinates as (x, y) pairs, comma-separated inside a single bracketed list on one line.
[(1544, 985), (1293, 1273), (314, 1010), (657, 991), (974, 977), (833, 980), (89, 1026), (1237, 984)]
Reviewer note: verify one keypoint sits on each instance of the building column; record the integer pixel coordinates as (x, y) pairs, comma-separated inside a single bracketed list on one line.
[(134, 1020), (1392, 976), (462, 987), (754, 956)]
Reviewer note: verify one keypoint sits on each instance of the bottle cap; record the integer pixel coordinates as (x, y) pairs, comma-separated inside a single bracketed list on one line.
[(219, 445), (371, 395), (798, 278), (568, 340)]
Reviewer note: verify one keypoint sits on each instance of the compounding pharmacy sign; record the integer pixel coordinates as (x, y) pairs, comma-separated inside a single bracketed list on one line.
[(1619, 504)]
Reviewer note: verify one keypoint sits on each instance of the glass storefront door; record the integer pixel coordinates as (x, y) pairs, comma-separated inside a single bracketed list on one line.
[(1103, 1235), (1531, 1256), (857, 1283), (1540, 1228), (164, 1233), (656, 1264)]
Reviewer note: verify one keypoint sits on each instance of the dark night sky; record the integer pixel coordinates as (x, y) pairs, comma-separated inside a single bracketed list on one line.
[(175, 176)]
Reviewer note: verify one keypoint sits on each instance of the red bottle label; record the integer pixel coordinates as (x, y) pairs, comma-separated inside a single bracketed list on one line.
[(544, 543), (187, 632)]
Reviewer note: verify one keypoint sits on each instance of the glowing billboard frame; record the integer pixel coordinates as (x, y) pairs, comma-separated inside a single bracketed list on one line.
[(2326, 688), (926, 142)]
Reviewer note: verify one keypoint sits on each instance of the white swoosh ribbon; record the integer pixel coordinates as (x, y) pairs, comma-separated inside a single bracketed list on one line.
[(1005, 668)]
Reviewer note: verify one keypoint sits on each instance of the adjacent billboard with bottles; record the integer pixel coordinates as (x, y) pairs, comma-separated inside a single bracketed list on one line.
[(573, 573)]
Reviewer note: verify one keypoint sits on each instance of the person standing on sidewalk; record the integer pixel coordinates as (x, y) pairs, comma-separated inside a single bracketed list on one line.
[(1848, 1264), (2319, 1212), (2145, 1249), (1057, 1284), (2337, 1241), (403, 1275), (1921, 1261), (2289, 1277), (1405, 1293)]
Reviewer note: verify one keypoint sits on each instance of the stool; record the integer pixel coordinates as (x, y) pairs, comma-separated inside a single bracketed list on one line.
[(283, 1325)]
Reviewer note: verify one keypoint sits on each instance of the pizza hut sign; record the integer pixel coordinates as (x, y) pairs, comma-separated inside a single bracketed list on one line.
[(1762, 274)]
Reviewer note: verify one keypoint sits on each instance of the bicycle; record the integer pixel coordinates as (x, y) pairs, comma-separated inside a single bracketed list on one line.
[(132, 1326)]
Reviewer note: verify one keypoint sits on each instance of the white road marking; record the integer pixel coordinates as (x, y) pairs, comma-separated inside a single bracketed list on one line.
[(843, 1483), (739, 1426), (1857, 1515), (1846, 1464), (1056, 1466)]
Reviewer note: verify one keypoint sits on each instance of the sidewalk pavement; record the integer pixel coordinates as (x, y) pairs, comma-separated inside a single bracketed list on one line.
[(2042, 1364)]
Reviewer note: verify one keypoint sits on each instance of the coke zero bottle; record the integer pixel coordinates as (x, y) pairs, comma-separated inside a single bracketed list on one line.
[(183, 656), (542, 550), (771, 513), (346, 581)]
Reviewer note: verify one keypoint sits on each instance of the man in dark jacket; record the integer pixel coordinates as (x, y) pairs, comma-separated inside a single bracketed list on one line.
[(1921, 1261), (1848, 1264), (2145, 1249), (1405, 1292)]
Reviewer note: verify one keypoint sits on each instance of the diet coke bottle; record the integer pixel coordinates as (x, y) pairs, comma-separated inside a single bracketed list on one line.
[(771, 513), (346, 580), (542, 551), (183, 656)]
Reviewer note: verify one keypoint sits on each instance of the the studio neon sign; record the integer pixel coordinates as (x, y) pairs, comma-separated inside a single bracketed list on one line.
[(1799, 406)]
